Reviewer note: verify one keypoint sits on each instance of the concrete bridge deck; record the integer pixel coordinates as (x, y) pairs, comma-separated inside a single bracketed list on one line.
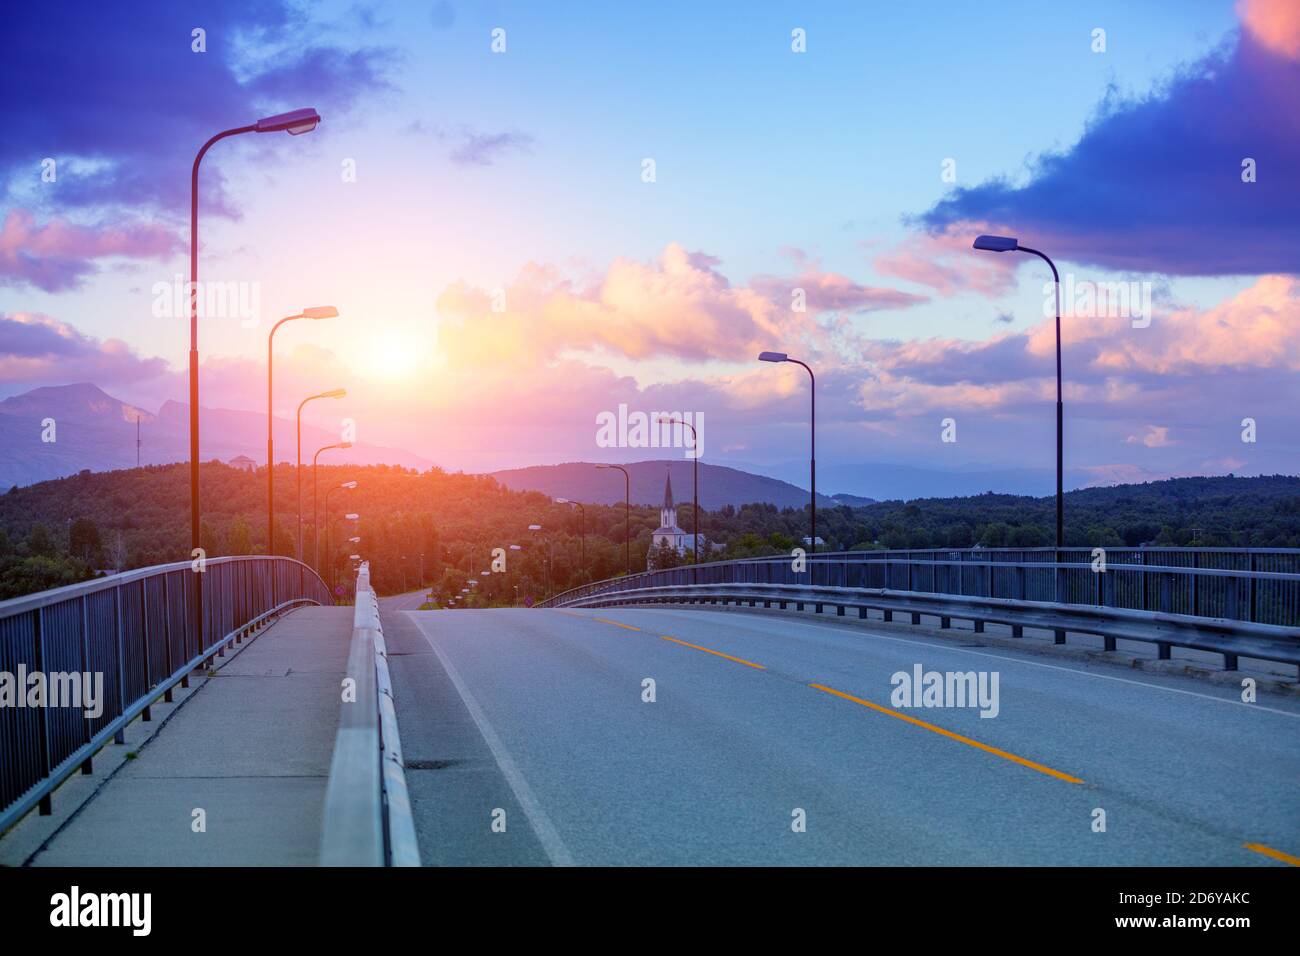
[(249, 746)]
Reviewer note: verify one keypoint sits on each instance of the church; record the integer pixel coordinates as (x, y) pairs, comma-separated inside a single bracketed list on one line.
[(668, 533)]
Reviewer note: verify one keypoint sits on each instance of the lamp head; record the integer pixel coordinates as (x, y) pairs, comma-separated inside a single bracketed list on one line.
[(336, 393), (351, 516), (294, 122), (348, 484), (773, 357), (345, 444), (561, 501), (320, 312), (997, 243)]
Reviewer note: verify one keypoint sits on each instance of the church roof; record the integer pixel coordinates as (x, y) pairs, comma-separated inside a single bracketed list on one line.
[(668, 491)]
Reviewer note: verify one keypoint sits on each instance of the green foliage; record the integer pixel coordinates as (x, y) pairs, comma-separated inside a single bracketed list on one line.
[(437, 530)]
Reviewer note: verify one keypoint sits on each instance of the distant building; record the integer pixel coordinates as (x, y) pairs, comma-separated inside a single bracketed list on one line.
[(243, 463), (668, 533)]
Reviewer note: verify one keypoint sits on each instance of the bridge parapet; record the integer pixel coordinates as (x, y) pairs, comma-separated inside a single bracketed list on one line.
[(135, 636)]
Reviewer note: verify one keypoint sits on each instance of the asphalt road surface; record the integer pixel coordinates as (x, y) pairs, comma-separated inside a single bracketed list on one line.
[(772, 739)]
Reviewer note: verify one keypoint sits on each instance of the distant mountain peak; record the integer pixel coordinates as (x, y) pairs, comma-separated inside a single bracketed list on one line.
[(80, 400)]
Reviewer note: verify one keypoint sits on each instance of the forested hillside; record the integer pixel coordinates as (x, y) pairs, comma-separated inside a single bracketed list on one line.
[(446, 525)]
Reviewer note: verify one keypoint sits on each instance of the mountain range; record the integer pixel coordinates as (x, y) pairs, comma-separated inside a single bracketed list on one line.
[(60, 430), (719, 485)]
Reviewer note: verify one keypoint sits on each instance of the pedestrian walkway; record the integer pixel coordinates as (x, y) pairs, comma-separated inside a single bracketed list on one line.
[(233, 775)]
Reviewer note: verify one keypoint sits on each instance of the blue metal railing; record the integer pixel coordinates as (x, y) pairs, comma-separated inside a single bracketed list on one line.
[(136, 629), (1241, 584)]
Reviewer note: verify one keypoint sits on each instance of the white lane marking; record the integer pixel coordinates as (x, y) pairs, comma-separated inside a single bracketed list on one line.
[(547, 835), (939, 645)]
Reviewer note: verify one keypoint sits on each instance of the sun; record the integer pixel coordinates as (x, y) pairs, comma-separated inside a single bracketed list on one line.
[(392, 356)]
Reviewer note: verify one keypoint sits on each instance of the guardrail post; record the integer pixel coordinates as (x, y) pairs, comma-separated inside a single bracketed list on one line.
[(167, 638), (87, 765), (1254, 606), (979, 627), (145, 714), (916, 617), (120, 736), (46, 806)]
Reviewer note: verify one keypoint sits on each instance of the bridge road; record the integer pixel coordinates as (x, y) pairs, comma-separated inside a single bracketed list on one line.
[(250, 746), (540, 713)]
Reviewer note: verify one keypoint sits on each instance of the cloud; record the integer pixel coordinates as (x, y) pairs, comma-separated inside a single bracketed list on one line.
[(59, 255), (41, 350), (482, 149), (1274, 24), (1156, 184), (680, 306), (943, 260), (128, 97), (832, 292), (1156, 436)]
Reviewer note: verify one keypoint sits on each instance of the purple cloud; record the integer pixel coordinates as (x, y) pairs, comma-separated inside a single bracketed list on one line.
[(1156, 184), (129, 95), (59, 254), (38, 349)]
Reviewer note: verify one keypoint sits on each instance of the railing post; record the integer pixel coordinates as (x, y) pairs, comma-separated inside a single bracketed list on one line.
[(167, 637), (1254, 605), (120, 736), (144, 642), (46, 805), (87, 765)]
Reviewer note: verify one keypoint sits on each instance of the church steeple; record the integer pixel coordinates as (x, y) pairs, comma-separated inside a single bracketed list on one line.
[(668, 513)]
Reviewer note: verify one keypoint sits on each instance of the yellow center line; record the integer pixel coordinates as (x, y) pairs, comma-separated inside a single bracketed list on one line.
[(738, 660), (628, 627), (1275, 854), (952, 736)]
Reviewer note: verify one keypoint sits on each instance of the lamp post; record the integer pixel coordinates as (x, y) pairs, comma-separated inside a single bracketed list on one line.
[(315, 520), (582, 513), (295, 122), (1011, 244), (347, 485), (315, 312), (627, 511), (812, 431), (695, 513), (336, 393)]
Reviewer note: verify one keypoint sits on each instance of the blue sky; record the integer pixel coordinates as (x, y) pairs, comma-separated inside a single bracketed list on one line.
[(522, 171)]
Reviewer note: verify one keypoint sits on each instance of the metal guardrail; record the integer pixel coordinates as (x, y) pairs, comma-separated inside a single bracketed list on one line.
[(1240, 584), (136, 630), (368, 820), (1232, 639)]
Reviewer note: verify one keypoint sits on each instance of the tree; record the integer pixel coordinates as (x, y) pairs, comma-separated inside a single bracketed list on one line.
[(84, 542), (238, 538), (40, 543)]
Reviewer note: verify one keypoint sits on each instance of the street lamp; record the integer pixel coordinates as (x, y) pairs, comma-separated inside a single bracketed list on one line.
[(812, 430), (1011, 244), (315, 519), (346, 486), (295, 122), (336, 393), (627, 511), (583, 526), (695, 514), (315, 312)]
